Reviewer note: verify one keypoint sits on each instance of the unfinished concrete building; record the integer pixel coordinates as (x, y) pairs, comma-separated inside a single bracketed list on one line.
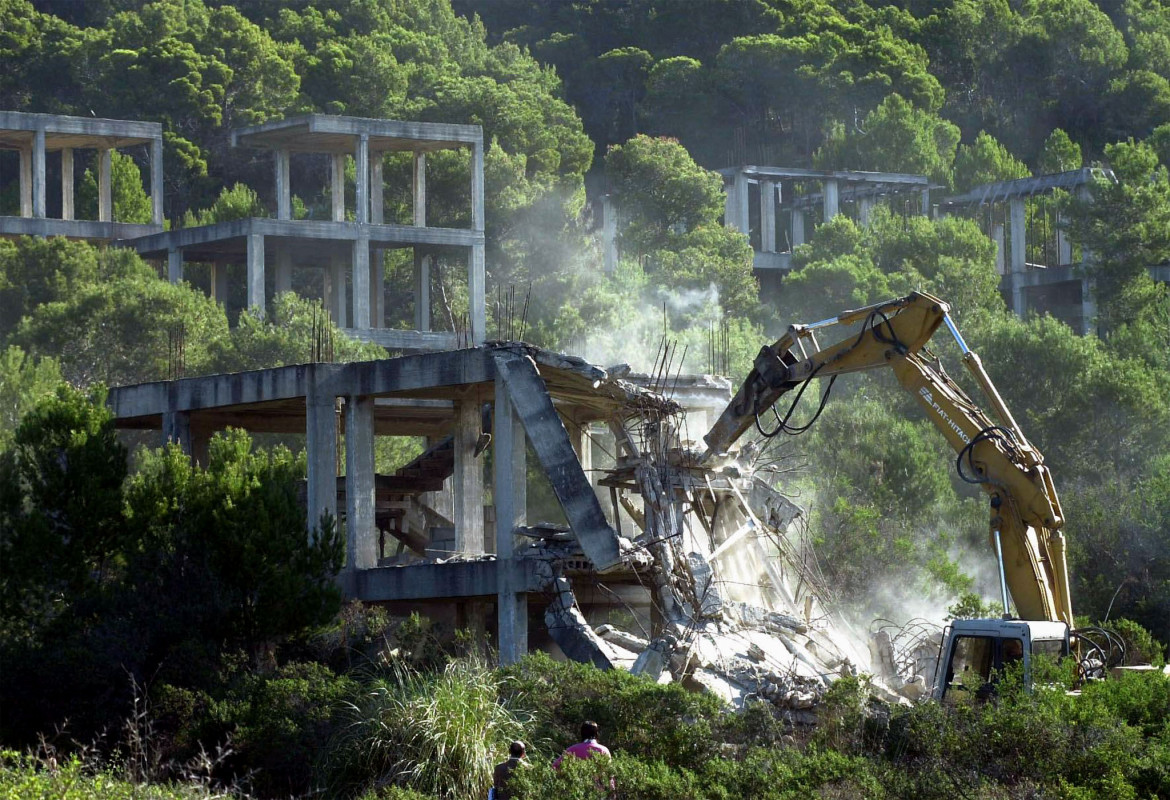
[(345, 252), (49, 145), (694, 568)]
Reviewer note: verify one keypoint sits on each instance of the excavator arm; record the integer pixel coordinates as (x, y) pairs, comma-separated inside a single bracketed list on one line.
[(1026, 519)]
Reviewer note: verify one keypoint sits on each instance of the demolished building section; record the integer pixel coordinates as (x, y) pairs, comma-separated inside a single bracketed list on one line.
[(675, 568)]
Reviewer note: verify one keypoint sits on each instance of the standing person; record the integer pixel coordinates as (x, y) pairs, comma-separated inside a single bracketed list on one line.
[(503, 773), (587, 748)]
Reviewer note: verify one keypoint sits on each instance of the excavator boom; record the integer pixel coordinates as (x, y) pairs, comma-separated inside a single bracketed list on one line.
[(1026, 519)]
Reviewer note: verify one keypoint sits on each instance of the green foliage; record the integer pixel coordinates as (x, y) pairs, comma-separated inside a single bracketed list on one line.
[(238, 202), (131, 202), (24, 382), (1140, 645), (986, 161), (894, 137), (71, 778), (439, 733), (1059, 154)]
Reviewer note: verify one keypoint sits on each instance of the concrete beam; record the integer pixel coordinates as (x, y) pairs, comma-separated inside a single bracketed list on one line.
[(310, 133), (420, 189), (156, 181), (550, 440), (440, 581), (67, 183), (78, 229), (362, 180), (105, 188), (283, 187), (38, 174), (256, 273), (361, 550), (511, 603), (337, 187), (361, 283), (467, 480)]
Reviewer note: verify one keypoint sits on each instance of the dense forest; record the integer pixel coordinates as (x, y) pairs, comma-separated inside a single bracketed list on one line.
[(132, 636)]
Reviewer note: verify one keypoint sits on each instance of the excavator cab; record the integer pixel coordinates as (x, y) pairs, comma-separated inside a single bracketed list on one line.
[(975, 652)]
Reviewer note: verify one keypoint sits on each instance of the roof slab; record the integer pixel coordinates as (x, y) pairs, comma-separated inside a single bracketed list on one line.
[(18, 128), (1026, 187), (323, 133), (904, 180), (86, 229), (228, 241)]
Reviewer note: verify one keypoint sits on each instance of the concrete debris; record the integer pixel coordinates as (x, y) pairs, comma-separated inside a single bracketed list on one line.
[(654, 659), (568, 628), (626, 641)]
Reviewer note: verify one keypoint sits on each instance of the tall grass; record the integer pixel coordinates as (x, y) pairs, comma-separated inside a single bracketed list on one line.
[(437, 733)]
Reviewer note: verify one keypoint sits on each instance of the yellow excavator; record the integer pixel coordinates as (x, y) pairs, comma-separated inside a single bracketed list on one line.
[(1026, 520)]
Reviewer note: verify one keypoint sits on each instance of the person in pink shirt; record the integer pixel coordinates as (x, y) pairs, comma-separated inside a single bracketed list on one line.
[(587, 748)]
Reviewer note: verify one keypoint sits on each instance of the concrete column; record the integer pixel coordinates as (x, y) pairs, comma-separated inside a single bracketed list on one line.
[(337, 187), (256, 272), (176, 427), (477, 294), (512, 605), (1063, 244), (1089, 305), (67, 183), (362, 182), (924, 203), (420, 188), (477, 187), (797, 227), (219, 283), (156, 181), (26, 182), (337, 306), (864, 209), (283, 187), (609, 235), (377, 186), (320, 451), (361, 535), (422, 291), (283, 270), (1019, 299), (467, 480), (38, 174), (361, 283), (739, 207), (1019, 252), (997, 237), (768, 216), (377, 290), (175, 265), (830, 200), (105, 189)]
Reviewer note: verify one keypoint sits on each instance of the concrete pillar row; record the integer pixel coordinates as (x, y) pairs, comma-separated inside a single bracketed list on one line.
[(510, 499), (26, 182), (38, 174), (256, 298), (67, 211), (361, 535), (105, 188), (156, 181)]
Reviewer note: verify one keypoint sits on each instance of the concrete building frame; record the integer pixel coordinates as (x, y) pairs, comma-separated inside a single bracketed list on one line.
[(35, 136)]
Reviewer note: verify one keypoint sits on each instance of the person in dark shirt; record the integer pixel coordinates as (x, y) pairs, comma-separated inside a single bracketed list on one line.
[(503, 773)]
